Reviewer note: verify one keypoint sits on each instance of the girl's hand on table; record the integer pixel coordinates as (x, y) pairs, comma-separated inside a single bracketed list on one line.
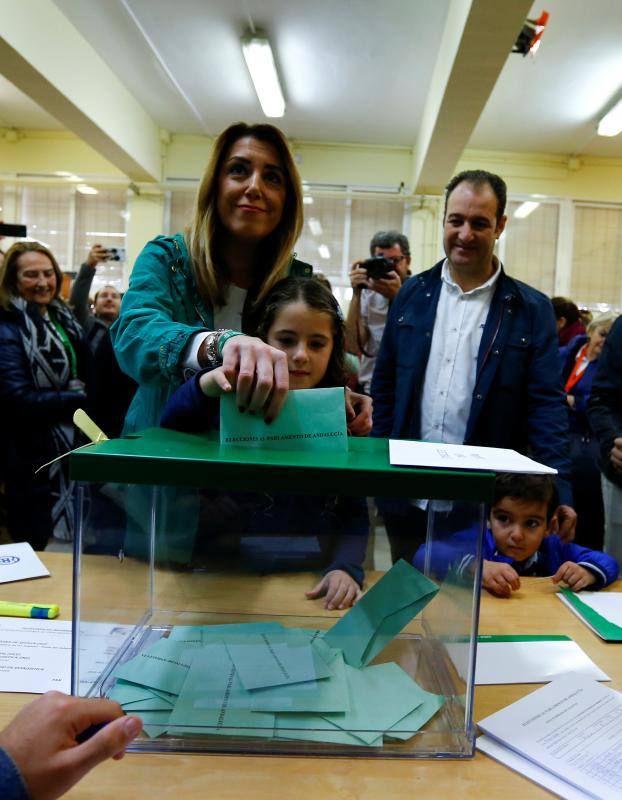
[(341, 590)]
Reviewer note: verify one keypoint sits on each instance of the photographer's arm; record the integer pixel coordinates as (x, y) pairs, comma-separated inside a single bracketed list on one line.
[(79, 296), (357, 332)]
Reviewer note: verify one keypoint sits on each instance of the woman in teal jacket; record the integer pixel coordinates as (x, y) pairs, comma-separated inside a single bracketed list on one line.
[(191, 297)]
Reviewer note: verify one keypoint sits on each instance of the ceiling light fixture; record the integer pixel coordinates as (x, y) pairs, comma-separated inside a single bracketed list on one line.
[(324, 251), (611, 123), (262, 67), (525, 209), (84, 189), (316, 226), (307, 200)]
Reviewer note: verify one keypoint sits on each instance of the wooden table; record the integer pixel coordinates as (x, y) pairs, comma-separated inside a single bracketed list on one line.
[(532, 610)]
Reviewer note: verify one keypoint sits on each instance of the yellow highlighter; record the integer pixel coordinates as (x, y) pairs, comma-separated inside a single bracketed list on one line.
[(34, 610)]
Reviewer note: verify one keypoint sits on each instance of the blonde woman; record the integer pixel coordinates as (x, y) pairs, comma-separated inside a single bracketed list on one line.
[(191, 297)]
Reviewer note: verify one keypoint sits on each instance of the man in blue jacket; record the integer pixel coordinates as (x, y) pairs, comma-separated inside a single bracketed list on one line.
[(469, 355)]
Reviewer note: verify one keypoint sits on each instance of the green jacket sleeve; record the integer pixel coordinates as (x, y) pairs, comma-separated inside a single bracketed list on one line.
[(160, 312)]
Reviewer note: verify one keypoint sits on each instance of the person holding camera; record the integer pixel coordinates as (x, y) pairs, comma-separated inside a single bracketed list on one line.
[(375, 282), (107, 300)]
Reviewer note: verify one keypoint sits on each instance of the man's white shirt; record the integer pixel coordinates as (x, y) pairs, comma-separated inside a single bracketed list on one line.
[(374, 310), (452, 365)]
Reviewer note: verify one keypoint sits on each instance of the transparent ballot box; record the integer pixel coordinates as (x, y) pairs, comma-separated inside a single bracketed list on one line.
[(198, 575)]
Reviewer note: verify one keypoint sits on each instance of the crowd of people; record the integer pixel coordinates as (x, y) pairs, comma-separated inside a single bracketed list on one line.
[(459, 353)]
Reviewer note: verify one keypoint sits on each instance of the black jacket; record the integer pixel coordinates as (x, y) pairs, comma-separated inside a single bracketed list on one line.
[(605, 406)]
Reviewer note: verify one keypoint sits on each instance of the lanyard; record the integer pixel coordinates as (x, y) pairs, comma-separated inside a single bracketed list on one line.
[(69, 348), (580, 365)]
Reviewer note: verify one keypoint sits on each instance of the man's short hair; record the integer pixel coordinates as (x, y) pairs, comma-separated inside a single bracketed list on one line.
[(478, 178), (386, 239), (528, 489)]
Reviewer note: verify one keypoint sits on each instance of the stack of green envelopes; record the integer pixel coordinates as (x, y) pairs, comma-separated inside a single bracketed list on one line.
[(265, 680)]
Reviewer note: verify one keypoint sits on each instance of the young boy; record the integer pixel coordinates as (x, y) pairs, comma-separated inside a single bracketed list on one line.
[(522, 540)]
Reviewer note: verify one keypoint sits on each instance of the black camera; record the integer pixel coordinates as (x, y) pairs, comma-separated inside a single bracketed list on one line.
[(116, 254), (378, 267)]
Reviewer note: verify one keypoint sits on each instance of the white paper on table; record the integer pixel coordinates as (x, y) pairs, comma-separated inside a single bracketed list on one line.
[(607, 604), (35, 655), (532, 662), (571, 727), (19, 561), (433, 455), (530, 770)]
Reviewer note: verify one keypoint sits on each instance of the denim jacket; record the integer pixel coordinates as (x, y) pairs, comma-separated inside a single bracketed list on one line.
[(517, 400), (160, 313)]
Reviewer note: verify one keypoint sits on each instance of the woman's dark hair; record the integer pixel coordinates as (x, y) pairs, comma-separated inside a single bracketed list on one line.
[(528, 488), (8, 269), (315, 295), (565, 308)]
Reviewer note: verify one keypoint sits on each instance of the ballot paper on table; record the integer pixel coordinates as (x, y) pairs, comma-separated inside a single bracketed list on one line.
[(431, 455), (18, 562), (35, 655), (381, 613), (572, 728), (311, 419), (504, 755), (530, 659), (600, 611)]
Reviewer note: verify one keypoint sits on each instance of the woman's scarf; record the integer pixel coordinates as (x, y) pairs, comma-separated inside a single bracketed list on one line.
[(50, 368)]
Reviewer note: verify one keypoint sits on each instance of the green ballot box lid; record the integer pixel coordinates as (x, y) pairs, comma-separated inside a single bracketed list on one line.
[(163, 457)]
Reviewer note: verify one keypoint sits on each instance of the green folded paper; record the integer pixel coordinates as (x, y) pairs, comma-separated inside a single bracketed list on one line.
[(311, 419), (326, 695), (312, 728), (164, 666), (411, 723), (265, 660), (380, 614), (213, 701), (380, 696)]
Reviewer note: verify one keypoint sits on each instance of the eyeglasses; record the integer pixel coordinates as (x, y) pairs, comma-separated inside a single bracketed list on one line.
[(395, 260)]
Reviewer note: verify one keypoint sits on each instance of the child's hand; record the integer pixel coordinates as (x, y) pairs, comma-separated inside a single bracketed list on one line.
[(500, 579), (214, 383), (340, 589), (574, 576)]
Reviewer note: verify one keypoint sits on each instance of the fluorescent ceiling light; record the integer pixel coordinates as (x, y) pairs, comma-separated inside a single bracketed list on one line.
[(260, 62), (307, 200), (324, 251), (525, 209), (84, 189), (611, 123), (316, 226), (105, 233)]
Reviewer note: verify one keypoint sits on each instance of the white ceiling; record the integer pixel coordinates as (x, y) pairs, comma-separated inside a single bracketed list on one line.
[(354, 70)]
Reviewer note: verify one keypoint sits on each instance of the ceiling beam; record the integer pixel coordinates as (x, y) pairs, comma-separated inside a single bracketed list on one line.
[(45, 57), (476, 41)]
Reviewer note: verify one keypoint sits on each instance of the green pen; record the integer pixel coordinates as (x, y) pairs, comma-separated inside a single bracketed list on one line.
[(36, 610)]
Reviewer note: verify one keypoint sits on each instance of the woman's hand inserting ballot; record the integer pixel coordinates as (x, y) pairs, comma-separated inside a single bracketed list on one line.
[(341, 590)]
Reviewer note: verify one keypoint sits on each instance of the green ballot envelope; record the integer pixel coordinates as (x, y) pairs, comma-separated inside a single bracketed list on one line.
[(381, 613), (311, 419)]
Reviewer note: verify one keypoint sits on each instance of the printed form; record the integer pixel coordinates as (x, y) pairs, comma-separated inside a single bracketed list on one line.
[(573, 728)]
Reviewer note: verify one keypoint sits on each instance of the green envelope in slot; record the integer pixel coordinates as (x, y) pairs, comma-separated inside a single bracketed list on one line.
[(381, 613), (311, 419)]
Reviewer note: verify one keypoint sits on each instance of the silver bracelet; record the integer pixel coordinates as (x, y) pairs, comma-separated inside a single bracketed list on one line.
[(210, 348)]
